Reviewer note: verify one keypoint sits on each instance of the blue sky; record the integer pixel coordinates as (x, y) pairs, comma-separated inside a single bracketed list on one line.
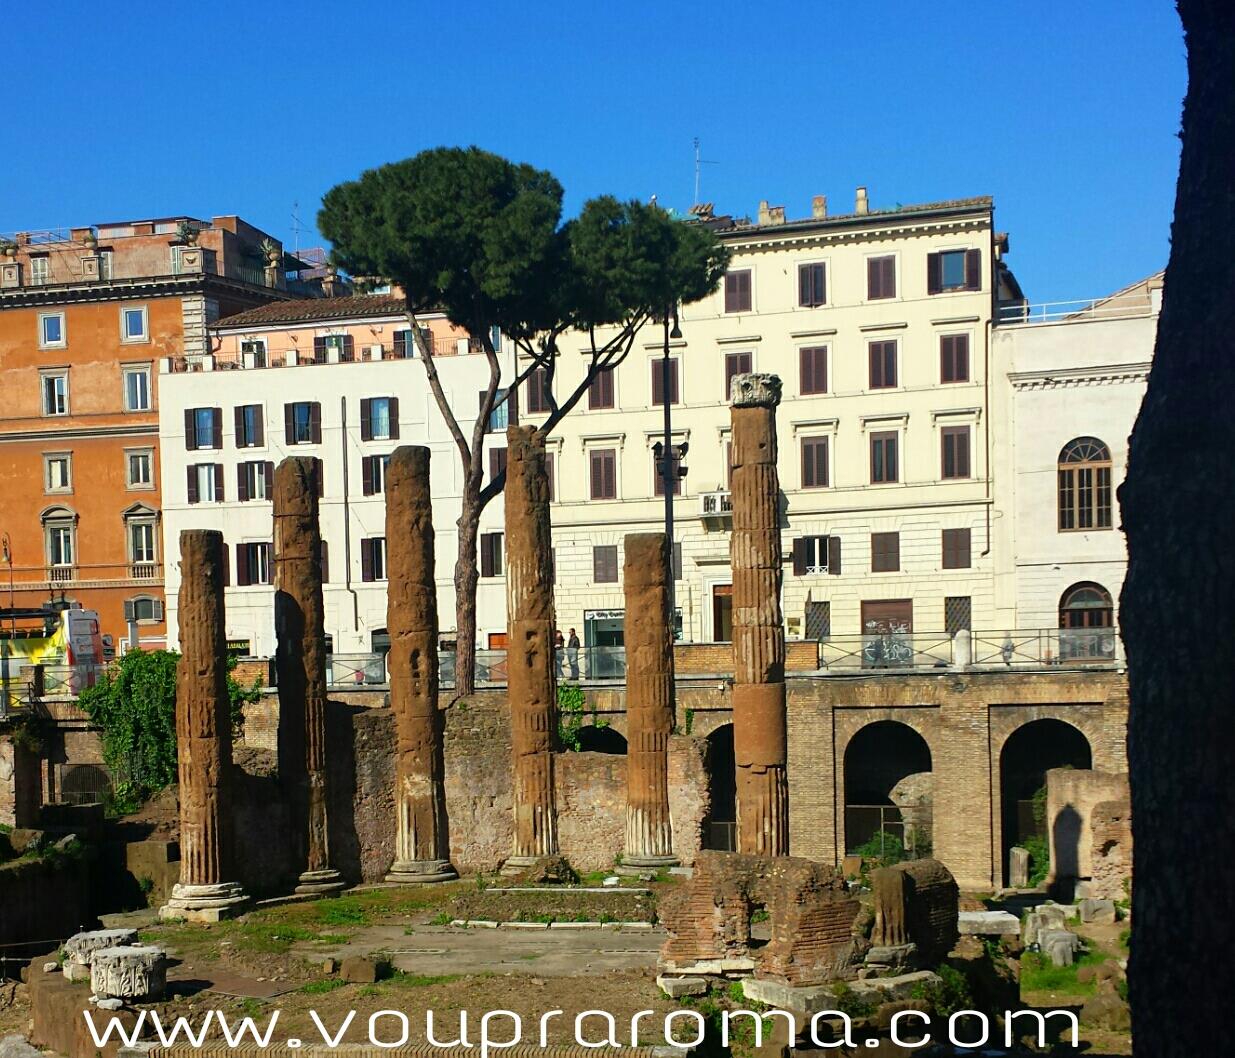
[(1067, 113)]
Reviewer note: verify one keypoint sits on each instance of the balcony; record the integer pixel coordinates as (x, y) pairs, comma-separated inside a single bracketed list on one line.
[(1113, 307), (144, 570), (716, 508), (55, 576)]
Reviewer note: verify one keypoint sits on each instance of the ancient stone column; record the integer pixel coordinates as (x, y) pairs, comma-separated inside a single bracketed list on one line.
[(422, 848), (300, 659), (759, 725), (649, 701), (529, 649), (203, 738)]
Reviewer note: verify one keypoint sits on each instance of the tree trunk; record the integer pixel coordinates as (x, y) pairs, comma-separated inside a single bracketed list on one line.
[(1177, 610), (467, 575)]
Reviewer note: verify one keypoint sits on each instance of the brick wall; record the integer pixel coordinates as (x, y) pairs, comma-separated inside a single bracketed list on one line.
[(1071, 795), (694, 658), (1110, 825)]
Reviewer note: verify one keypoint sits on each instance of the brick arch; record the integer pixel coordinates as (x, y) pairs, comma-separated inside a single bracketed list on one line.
[(1090, 720)]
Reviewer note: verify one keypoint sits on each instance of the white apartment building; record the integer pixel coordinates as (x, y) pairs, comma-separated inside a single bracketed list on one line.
[(1071, 380), (879, 324), (333, 379)]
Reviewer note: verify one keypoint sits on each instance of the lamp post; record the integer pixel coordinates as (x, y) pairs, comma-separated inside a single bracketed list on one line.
[(668, 459)]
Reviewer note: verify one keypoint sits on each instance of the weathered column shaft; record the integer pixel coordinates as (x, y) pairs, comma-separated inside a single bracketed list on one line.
[(529, 649), (649, 700), (759, 722), (299, 621), (422, 850)]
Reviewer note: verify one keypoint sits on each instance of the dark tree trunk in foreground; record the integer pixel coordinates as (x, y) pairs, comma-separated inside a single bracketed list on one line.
[(1178, 604)]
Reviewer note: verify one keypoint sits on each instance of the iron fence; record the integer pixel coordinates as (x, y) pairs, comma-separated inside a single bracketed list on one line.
[(889, 832)]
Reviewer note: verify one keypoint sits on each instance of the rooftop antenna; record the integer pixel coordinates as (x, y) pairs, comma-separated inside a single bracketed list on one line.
[(296, 228), (698, 163)]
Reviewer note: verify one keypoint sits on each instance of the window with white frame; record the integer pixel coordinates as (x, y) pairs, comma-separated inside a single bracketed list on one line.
[(142, 546), (134, 324), (105, 264), (40, 271), (52, 334), (136, 387), (144, 609), (139, 468), (60, 538), (55, 392), (58, 472)]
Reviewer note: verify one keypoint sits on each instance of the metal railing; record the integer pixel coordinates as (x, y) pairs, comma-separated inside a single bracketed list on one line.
[(891, 650), (716, 503), (889, 832), (356, 670), (1044, 647), (1108, 308)]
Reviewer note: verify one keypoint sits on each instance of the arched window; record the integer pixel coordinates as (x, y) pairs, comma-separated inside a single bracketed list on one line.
[(141, 532), (60, 543), (1086, 617), (1084, 485)]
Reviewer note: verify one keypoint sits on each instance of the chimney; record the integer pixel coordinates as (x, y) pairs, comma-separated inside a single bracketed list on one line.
[(776, 214), (862, 205), (330, 283), (819, 207), (765, 217)]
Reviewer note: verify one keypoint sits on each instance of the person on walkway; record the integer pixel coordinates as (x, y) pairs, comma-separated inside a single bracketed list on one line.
[(558, 643), (572, 654)]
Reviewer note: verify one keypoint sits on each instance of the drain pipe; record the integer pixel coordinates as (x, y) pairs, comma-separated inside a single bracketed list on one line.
[(347, 520)]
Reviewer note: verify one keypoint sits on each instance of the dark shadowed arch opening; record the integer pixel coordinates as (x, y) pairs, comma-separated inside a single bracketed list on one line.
[(720, 826), (888, 788), (594, 739), (1028, 754)]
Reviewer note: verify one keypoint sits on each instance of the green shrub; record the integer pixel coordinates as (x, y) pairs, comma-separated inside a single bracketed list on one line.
[(847, 1001), (570, 703), (883, 849), (950, 994)]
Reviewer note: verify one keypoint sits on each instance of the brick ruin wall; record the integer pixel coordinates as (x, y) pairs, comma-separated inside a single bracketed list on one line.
[(1071, 796), (916, 902), (1110, 826)]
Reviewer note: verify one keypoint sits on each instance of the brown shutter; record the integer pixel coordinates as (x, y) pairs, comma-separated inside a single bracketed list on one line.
[(238, 413), (349, 348), (269, 480), (874, 287), (808, 465), (319, 475), (192, 483), (934, 273), (658, 382), (394, 418), (319, 350), (804, 285), (963, 545), (366, 560), (513, 414), (242, 565), (315, 422), (486, 555), (289, 423), (325, 562), (799, 556), (889, 277), (227, 565), (216, 416), (242, 482), (947, 357), (834, 555), (190, 431), (218, 483), (611, 475), (366, 420), (674, 396), (259, 429), (549, 474), (366, 474), (973, 269)]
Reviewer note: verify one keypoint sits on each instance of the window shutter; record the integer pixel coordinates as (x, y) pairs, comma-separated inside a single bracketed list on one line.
[(874, 287), (216, 417), (808, 464), (319, 475), (130, 610), (315, 422), (259, 429), (799, 556), (658, 382), (269, 480), (289, 423), (513, 414), (549, 474), (349, 348), (834, 555), (889, 277), (610, 465), (366, 475), (190, 430), (934, 273), (192, 483), (486, 555), (366, 560), (218, 483), (227, 566), (242, 481), (325, 562), (673, 382), (366, 419), (394, 418), (157, 610), (804, 285), (242, 565), (973, 269), (239, 418), (319, 350)]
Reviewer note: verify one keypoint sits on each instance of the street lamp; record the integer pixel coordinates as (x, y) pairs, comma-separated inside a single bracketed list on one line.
[(668, 458)]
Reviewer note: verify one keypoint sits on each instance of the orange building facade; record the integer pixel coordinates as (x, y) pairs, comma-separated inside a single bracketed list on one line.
[(86, 315)]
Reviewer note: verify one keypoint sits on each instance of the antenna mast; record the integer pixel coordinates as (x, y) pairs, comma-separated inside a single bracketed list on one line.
[(699, 163)]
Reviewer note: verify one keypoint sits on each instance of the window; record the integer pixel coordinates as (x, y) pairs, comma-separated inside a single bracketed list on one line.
[(40, 271), (957, 614), (880, 277), (539, 391), (885, 552), (497, 462), (203, 428), (955, 452), (105, 264), (379, 418), (814, 462), (373, 558), (253, 565), (813, 364), (505, 412), (55, 393), (405, 344), (136, 388), (139, 469), (812, 290), (331, 348), (302, 423), (600, 390), (882, 364), (658, 381), (954, 358), (550, 464), (51, 330), (60, 545), (675, 468), (884, 460), (819, 620), (253, 352), (60, 542), (323, 561), (133, 324), (249, 429), (603, 462), (956, 553), (953, 270), (1084, 485), (373, 474), (490, 554), (58, 472), (205, 482), (141, 544), (1086, 617), (736, 364), (737, 291), (605, 564), (254, 480), (816, 554), (143, 609)]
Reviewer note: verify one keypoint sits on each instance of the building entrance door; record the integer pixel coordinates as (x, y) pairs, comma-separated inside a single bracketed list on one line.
[(722, 613), (887, 633)]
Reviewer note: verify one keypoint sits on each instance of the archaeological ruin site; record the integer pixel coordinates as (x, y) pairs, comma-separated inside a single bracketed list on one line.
[(730, 828)]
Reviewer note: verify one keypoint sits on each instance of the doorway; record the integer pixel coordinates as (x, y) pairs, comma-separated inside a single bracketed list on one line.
[(887, 633), (722, 613)]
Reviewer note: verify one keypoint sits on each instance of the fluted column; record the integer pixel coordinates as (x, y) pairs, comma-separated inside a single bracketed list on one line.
[(422, 848), (299, 622), (529, 649), (203, 737), (649, 701), (759, 722)]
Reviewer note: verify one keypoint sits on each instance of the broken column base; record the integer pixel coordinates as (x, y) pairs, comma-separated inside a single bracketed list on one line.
[(204, 903), (315, 882), (646, 862), (414, 872)]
